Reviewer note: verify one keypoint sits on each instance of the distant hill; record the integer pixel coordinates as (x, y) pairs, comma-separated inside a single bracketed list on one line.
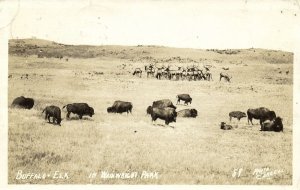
[(140, 53)]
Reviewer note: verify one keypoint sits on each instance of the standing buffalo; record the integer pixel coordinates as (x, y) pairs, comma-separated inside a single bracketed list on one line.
[(184, 97), (23, 102), (120, 107), (274, 125), (237, 114), (187, 113), (261, 113), (225, 126), (163, 104), (167, 114), (54, 112), (80, 109)]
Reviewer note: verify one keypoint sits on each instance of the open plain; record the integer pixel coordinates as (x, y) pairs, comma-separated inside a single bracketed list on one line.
[(190, 151)]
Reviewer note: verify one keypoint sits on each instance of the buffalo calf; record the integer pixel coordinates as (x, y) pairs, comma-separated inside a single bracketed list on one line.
[(54, 112), (237, 114), (225, 126)]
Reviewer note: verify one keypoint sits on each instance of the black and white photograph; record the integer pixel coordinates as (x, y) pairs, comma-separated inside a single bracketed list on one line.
[(150, 92)]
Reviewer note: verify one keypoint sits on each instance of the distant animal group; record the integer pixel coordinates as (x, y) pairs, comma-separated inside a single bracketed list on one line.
[(176, 72), (160, 109)]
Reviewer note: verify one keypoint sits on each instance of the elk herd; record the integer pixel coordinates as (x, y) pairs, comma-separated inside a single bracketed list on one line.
[(160, 109), (193, 72)]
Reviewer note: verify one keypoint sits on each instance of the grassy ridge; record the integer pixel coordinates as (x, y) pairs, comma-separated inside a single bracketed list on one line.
[(155, 54)]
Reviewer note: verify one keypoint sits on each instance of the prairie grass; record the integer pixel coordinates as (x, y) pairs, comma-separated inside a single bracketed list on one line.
[(191, 151)]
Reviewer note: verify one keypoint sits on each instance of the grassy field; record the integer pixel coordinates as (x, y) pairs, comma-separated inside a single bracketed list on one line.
[(192, 151)]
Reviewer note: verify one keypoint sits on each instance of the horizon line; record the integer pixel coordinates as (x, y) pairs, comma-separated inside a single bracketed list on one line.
[(149, 45)]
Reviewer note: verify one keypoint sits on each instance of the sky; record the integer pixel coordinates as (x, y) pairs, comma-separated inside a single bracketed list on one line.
[(270, 24)]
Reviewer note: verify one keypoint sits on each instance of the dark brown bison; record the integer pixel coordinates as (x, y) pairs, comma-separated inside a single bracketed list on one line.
[(184, 97), (54, 112), (163, 104), (261, 113), (23, 102), (274, 125), (167, 114), (120, 107), (237, 114), (80, 109), (225, 126), (187, 113)]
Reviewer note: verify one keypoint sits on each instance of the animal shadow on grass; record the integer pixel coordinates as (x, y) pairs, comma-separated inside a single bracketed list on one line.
[(162, 125), (77, 118), (55, 124)]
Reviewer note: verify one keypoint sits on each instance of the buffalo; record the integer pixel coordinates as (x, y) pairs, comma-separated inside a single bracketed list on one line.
[(237, 114), (225, 126), (80, 109), (163, 104), (274, 125), (22, 102), (167, 114), (120, 107), (54, 112), (261, 113), (184, 97), (187, 113)]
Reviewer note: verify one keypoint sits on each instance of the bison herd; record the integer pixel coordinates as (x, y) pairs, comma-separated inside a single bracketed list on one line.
[(267, 119), (160, 109)]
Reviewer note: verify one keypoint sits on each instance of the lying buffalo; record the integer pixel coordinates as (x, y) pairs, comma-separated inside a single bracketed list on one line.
[(80, 109), (184, 97), (23, 102), (261, 113), (54, 112), (120, 107), (237, 114), (167, 114), (225, 126), (187, 113), (163, 104), (274, 125)]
